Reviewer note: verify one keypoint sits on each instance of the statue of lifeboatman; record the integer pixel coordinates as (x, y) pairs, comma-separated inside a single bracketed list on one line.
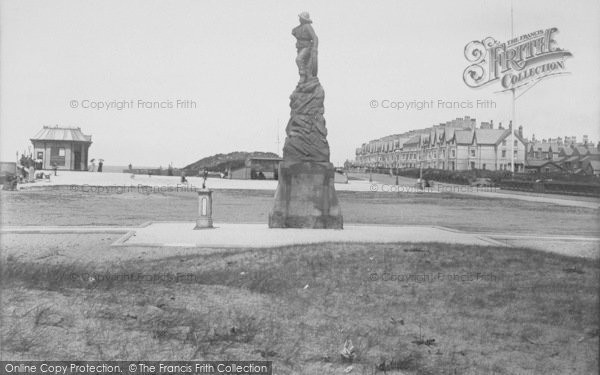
[(307, 45)]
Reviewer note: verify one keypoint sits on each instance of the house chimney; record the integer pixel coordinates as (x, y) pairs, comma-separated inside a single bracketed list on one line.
[(500, 125), (533, 138), (585, 139), (491, 124), (521, 131)]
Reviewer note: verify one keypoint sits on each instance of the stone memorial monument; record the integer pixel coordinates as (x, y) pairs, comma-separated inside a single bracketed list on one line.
[(305, 196)]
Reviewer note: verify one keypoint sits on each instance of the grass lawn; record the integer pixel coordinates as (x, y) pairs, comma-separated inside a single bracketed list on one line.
[(449, 310), (470, 213), (526, 313)]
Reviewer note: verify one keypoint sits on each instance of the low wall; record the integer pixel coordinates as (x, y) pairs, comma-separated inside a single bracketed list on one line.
[(8, 167)]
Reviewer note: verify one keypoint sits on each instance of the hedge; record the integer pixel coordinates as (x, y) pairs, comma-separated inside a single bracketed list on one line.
[(553, 187)]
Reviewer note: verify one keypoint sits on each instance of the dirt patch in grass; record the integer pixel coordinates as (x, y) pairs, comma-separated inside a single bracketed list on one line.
[(429, 309)]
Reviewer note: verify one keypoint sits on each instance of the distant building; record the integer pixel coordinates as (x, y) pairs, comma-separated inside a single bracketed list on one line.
[(455, 145), (65, 147), (592, 167), (541, 167), (261, 168), (569, 155), (267, 168)]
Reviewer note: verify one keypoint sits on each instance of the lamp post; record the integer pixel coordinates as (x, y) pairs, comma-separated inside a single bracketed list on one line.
[(420, 154), (397, 163)]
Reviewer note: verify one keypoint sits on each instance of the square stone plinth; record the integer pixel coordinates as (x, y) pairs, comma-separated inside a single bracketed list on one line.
[(305, 197)]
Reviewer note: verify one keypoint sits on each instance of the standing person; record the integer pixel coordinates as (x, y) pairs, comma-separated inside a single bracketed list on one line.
[(23, 160), (100, 163), (22, 167), (23, 171), (54, 167), (31, 169), (92, 165), (204, 176)]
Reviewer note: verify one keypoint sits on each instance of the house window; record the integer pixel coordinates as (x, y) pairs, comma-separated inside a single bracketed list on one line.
[(504, 142), (515, 153), (472, 165), (483, 167), (453, 153), (40, 155), (503, 153), (516, 143), (473, 152)]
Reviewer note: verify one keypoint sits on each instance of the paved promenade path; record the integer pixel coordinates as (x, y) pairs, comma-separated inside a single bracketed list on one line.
[(244, 236)]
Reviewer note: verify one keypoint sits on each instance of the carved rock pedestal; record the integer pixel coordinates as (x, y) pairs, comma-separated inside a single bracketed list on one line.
[(305, 197)]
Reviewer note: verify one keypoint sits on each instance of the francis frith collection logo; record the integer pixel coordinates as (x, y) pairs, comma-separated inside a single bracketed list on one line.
[(516, 63)]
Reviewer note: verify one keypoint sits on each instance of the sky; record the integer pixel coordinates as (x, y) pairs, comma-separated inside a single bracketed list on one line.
[(235, 61)]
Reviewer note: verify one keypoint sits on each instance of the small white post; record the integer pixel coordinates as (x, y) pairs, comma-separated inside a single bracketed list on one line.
[(204, 219)]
